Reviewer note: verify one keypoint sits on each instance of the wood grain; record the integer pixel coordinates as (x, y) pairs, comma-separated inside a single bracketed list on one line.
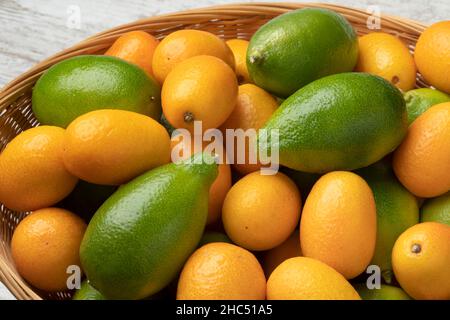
[(34, 30)]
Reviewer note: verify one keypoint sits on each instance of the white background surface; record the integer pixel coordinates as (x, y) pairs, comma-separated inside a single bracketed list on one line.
[(35, 29), (32, 30)]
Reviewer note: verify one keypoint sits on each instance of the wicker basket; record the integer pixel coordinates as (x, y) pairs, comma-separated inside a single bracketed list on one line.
[(229, 21)]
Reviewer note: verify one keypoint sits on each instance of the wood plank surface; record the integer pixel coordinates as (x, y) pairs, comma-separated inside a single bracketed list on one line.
[(32, 30)]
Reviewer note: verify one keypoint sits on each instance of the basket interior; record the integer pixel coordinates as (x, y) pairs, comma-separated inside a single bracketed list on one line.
[(228, 22)]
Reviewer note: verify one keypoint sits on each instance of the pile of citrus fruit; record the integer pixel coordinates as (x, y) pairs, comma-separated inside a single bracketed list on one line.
[(360, 206)]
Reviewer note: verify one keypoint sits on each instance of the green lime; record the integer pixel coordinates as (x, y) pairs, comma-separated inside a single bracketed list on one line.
[(81, 84), (385, 292), (139, 239), (340, 122), (300, 46)]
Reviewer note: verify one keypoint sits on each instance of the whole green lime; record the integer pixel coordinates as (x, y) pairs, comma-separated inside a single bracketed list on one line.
[(139, 239), (419, 100), (344, 121), (300, 46), (85, 83), (436, 209)]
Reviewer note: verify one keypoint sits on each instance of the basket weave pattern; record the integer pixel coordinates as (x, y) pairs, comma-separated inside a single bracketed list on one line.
[(229, 21)]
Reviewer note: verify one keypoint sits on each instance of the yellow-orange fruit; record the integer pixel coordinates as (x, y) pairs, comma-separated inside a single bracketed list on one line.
[(432, 55), (421, 260), (32, 172), (239, 49), (387, 56), (112, 147), (304, 278), (45, 244), (261, 211), (422, 161), (183, 44), (221, 271), (338, 224), (254, 107), (136, 47)]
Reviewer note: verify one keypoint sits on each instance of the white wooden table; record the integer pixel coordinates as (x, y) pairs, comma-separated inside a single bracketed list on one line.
[(35, 29)]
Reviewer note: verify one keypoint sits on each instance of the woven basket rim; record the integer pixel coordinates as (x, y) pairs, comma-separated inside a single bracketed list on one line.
[(23, 83), (217, 9)]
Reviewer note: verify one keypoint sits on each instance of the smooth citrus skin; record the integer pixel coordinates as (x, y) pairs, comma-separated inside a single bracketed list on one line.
[(254, 107), (220, 186), (32, 171), (113, 146), (421, 260), (183, 44), (202, 88), (44, 244), (239, 49), (85, 83), (385, 292), (298, 47), (338, 224), (304, 278), (420, 100), (387, 56), (222, 271), (288, 249), (432, 55), (436, 209), (136, 47), (261, 211), (422, 161)]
